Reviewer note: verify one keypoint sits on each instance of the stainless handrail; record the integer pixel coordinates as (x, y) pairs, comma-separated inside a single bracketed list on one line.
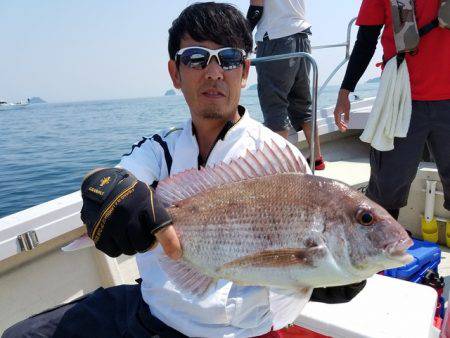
[(315, 91), (345, 44), (315, 82)]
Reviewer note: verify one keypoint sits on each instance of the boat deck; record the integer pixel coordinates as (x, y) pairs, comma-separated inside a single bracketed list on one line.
[(347, 159)]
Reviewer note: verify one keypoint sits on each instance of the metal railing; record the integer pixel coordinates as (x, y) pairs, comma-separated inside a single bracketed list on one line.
[(345, 44), (315, 79)]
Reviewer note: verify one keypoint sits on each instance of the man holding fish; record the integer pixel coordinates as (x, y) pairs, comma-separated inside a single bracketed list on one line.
[(248, 231)]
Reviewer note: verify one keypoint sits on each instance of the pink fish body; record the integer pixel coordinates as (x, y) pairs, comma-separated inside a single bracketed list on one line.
[(260, 220)]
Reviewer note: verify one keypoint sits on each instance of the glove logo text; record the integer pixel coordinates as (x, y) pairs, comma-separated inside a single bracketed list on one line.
[(96, 191)]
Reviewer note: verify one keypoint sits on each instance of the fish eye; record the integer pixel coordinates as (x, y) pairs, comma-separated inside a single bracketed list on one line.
[(364, 217)]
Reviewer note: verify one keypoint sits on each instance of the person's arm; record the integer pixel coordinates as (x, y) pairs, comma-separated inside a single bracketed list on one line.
[(365, 45), (255, 12), (123, 216), (337, 294)]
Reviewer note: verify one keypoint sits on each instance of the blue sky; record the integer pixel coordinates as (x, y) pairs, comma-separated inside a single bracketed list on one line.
[(96, 49)]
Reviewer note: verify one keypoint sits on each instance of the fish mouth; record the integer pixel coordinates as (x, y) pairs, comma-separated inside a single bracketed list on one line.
[(397, 250)]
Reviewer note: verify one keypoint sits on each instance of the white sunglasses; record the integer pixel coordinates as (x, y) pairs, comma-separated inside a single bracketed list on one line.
[(200, 57)]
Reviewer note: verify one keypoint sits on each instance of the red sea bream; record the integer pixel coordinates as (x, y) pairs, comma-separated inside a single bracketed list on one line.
[(260, 220)]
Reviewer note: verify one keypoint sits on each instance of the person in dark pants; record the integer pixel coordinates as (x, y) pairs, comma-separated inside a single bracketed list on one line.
[(283, 86), (123, 216), (392, 172)]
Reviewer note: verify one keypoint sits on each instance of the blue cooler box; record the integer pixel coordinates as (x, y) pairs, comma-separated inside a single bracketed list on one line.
[(427, 256)]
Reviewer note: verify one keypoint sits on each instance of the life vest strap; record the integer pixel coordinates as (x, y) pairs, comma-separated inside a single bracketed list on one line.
[(428, 27)]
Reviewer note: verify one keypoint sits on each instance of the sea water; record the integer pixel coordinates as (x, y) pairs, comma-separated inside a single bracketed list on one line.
[(45, 149)]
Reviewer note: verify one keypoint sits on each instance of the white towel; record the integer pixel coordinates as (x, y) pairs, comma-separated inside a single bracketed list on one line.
[(391, 111)]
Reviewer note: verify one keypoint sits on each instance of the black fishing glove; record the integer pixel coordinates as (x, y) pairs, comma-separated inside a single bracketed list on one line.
[(120, 212), (337, 294), (254, 14)]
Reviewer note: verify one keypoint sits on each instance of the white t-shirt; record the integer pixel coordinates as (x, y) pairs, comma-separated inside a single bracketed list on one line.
[(282, 18), (226, 310)]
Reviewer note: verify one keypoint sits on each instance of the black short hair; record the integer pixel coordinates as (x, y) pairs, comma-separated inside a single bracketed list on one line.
[(221, 23)]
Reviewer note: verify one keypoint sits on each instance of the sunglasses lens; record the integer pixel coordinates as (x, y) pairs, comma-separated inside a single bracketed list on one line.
[(231, 58), (195, 58)]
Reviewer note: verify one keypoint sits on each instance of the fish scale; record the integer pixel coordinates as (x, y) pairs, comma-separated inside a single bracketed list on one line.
[(253, 216)]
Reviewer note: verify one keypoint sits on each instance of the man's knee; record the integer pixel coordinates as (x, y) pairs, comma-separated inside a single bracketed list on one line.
[(13, 331), (31, 327), (277, 126), (18, 330), (41, 325)]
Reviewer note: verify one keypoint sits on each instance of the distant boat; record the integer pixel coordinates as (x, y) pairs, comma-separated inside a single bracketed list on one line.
[(4, 105)]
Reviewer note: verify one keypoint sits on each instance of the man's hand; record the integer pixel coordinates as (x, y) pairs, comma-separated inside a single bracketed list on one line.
[(168, 239), (123, 216), (342, 108)]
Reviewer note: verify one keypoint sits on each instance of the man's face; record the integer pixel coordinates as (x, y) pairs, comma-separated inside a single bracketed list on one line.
[(212, 92)]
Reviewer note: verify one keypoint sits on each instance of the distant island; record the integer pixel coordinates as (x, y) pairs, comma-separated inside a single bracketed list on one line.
[(36, 99), (253, 87), (170, 92), (374, 80)]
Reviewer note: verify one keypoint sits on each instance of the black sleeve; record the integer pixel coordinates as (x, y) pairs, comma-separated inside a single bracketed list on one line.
[(337, 294), (254, 14), (365, 45)]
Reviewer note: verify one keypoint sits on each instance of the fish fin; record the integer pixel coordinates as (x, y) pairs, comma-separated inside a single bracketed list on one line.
[(286, 305), (270, 159), (279, 258), (78, 244), (185, 277)]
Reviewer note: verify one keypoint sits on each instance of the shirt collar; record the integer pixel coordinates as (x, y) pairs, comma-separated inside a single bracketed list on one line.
[(228, 128)]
